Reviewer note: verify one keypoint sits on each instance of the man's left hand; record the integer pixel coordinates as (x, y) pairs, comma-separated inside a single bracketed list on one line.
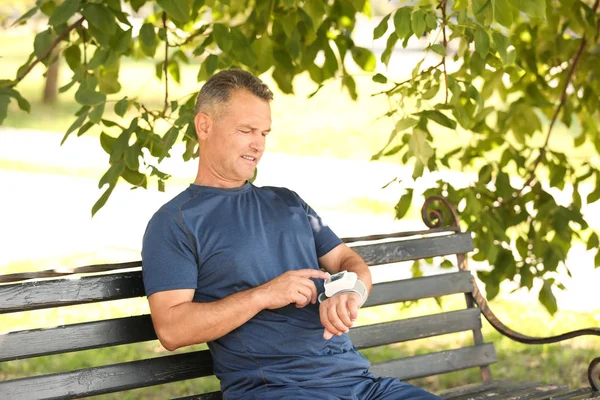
[(338, 313)]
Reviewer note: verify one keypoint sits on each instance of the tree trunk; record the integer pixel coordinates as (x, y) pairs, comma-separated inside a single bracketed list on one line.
[(51, 85)]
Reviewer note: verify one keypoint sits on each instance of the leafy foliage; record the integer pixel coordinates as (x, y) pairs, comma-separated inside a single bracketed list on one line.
[(517, 64)]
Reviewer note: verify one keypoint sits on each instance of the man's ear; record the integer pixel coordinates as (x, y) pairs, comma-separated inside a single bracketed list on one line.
[(203, 124)]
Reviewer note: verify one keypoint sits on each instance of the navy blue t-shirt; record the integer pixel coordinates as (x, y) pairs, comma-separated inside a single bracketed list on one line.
[(222, 241)]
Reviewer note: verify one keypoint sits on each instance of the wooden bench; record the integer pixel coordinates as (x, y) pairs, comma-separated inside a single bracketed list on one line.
[(104, 283)]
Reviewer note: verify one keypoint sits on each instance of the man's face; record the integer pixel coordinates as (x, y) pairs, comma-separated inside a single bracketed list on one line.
[(236, 140)]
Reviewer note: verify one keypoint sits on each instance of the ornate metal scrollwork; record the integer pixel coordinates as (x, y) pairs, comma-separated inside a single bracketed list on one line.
[(436, 217), (594, 374)]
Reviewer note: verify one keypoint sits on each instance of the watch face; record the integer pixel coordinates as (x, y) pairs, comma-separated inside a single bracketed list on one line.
[(335, 277)]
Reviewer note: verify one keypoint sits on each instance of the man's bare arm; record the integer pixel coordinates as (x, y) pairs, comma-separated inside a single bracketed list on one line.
[(339, 312), (179, 321)]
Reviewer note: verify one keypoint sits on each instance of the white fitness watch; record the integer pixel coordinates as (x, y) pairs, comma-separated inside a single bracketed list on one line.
[(344, 282)]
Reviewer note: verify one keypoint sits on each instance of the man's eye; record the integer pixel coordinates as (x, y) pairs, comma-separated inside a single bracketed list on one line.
[(245, 131)]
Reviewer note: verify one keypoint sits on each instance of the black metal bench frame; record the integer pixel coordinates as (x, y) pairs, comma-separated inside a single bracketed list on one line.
[(98, 283)]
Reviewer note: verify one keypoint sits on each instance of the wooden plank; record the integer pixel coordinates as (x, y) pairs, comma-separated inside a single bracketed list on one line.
[(544, 391), (63, 292), (471, 389), (415, 328), (414, 249), (436, 363), (420, 288), (76, 337), (111, 378), (581, 393), (203, 396), (504, 389)]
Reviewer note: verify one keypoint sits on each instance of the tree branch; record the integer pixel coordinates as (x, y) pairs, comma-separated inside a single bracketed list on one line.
[(397, 85), (444, 22), (48, 51), (563, 98), (164, 20)]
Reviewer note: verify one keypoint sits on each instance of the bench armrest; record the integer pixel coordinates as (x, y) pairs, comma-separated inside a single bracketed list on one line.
[(435, 218)]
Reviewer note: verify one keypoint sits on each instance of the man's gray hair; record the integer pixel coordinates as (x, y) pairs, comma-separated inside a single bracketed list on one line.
[(217, 90)]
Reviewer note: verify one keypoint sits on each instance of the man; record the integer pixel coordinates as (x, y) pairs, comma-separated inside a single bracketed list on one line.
[(238, 267)]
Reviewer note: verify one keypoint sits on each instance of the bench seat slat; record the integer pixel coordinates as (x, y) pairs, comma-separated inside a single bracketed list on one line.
[(414, 249), (111, 378), (437, 363), (203, 396), (415, 328), (63, 292), (76, 337), (420, 288)]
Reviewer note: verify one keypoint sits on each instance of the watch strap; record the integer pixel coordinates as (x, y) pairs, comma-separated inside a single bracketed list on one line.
[(359, 287)]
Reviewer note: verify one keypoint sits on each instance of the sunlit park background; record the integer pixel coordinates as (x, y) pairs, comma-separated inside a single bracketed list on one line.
[(320, 147)]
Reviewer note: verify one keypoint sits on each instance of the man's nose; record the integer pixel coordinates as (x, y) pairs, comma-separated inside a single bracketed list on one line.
[(258, 143)]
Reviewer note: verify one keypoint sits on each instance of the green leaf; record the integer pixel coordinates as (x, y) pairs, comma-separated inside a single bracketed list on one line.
[(96, 114), (364, 58), (379, 78), (431, 20), (533, 8), (89, 97), (169, 140), (381, 28), (503, 12), (107, 142), (173, 69), (121, 106), (547, 298), (72, 55), (263, 48), (404, 204), (404, 124), (23, 18), (593, 241), (438, 117), (4, 101), (419, 146), (179, 10), (222, 37), (148, 39), (76, 124), (100, 17), (389, 47), (132, 155), (418, 23), (439, 49), (64, 11), (135, 178), (316, 11), (501, 44), (42, 42), (482, 42), (102, 200), (402, 22)]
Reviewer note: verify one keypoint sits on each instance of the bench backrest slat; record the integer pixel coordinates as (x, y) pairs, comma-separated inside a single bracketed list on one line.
[(43, 294), (63, 292), (415, 328), (437, 363), (112, 378), (421, 288), (413, 249), (76, 337)]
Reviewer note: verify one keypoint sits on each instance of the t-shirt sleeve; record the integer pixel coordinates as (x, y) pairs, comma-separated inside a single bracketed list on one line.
[(168, 259), (325, 239)]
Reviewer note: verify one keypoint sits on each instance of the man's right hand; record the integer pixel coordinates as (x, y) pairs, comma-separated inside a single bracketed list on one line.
[(292, 287)]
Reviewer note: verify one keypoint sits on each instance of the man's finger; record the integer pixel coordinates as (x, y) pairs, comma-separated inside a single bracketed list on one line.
[(327, 335), (335, 320), (311, 273), (343, 313), (353, 305)]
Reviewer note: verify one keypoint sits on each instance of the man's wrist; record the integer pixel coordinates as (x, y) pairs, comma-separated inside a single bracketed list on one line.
[(359, 288)]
